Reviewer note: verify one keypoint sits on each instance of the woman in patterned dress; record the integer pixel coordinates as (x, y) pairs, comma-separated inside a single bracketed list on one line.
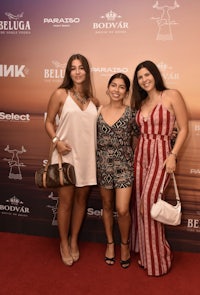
[(115, 164), (157, 110), (75, 139)]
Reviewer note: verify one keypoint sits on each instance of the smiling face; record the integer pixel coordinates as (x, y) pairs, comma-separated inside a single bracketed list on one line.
[(117, 89), (145, 79), (77, 72)]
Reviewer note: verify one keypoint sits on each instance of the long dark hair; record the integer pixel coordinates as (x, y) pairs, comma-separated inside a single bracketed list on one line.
[(67, 81), (120, 76), (139, 94)]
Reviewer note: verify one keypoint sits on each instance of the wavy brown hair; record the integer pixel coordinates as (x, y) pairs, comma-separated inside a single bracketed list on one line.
[(67, 81), (139, 94)]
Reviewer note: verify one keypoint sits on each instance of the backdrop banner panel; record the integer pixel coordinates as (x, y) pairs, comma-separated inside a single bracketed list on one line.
[(37, 38)]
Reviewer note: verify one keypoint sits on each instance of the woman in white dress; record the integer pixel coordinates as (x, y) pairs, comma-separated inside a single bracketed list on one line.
[(75, 139)]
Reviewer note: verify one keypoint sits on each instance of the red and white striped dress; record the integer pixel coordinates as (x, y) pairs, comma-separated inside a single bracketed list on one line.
[(151, 151)]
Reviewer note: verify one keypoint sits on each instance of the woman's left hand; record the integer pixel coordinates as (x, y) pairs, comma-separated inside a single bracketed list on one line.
[(170, 163)]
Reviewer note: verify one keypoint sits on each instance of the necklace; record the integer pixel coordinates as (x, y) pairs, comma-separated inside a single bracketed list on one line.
[(82, 100)]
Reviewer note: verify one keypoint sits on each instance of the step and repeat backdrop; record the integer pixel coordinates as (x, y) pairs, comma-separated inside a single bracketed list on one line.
[(37, 38)]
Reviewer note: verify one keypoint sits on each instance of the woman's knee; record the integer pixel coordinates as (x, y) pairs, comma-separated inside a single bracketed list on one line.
[(123, 212), (107, 204)]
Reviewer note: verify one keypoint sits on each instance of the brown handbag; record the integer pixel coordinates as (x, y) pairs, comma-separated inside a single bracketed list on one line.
[(55, 175)]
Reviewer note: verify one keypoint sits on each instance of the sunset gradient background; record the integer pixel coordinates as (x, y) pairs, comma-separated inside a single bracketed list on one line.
[(47, 47)]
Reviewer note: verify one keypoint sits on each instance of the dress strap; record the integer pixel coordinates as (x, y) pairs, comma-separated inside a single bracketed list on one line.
[(99, 111)]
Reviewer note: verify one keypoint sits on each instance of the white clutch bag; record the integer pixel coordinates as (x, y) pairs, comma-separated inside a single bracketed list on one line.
[(164, 212)]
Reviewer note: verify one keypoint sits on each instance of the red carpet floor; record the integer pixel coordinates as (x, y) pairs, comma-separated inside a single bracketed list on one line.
[(31, 265)]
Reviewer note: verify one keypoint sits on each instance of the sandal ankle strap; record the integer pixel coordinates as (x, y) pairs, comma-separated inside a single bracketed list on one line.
[(127, 243), (110, 243)]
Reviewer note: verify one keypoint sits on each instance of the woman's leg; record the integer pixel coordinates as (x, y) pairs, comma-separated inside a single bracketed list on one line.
[(78, 214), (123, 197), (107, 196), (66, 196)]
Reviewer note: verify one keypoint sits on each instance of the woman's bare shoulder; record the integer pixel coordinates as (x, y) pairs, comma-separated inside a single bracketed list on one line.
[(172, 93), (173, 96), (59, 94), (95, 101)]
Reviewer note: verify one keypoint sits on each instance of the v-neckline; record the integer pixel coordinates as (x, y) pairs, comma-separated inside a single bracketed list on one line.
[(78, 105), (111, 126), (146, 118)]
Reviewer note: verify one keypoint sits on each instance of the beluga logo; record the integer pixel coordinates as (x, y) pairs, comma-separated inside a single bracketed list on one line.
[(15, 24), (14, 17), (55, 72)]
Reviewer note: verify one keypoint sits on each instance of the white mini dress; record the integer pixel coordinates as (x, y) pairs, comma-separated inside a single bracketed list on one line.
[(78, 129)]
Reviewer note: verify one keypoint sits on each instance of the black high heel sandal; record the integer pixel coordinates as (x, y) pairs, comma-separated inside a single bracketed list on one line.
[(109, 261), (140, 263), (125, 263)]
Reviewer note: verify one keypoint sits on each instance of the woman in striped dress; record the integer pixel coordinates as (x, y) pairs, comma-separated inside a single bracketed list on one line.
[(157, 110)]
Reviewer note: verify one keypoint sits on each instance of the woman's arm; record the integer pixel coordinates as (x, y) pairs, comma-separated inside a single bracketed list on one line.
[(180, 111), (54, 108)]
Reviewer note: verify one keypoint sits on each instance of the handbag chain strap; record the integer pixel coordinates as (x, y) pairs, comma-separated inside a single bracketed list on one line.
[(175, 187)]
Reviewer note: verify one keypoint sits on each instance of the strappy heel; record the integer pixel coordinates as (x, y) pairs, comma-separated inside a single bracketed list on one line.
[(109, 261), (140, 263), (125, 263)]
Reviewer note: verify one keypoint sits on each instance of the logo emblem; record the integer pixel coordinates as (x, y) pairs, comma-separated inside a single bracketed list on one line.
[(14, 162), (164, 21)]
